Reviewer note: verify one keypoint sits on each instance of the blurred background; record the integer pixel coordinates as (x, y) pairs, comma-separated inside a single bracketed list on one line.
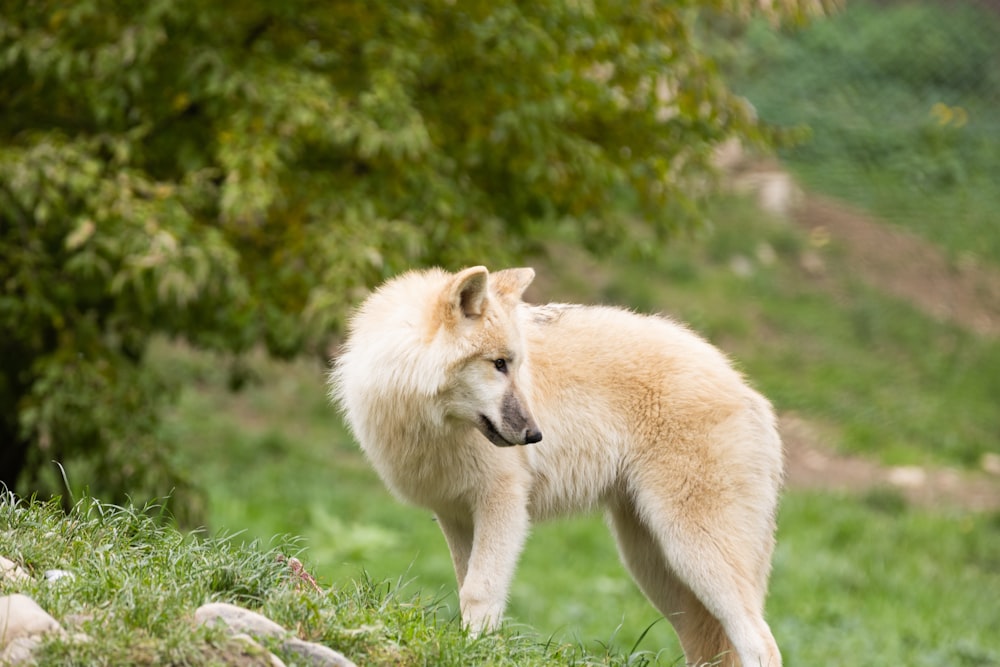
[(193, 195)]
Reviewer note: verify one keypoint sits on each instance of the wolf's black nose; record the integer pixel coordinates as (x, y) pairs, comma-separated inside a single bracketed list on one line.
[(532, 436)]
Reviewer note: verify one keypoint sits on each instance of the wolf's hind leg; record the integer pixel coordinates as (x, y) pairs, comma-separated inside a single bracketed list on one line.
[(721, 551), (701, 635)]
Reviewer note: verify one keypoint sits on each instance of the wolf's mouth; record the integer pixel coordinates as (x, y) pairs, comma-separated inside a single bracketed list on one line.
[(487, 428)]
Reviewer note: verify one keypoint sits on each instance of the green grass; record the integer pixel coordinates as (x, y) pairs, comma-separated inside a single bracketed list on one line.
[(870, 582), (855, 579), (136, 584), (900, 101)]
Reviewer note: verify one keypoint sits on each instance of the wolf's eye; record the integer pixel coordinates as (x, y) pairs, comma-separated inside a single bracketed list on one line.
[(501, 365)]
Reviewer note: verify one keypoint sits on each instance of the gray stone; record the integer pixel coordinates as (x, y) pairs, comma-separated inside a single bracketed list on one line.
[(238, 620), (246, 625), (11, 571), (56, 575), (22, 624), (257, 648), (21, 651), (20, 616), (315, 654)]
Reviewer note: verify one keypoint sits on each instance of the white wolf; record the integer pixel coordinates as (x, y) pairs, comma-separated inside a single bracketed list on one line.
[(443, 373)]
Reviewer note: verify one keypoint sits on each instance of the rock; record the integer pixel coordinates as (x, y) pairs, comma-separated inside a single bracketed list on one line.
[(258, 649), (22, 623), (11, 571), (314, 654), (776, 191), (56, 575), (741, 266), (20, 651), (238, 619), (991, 463), (909, 477), (247, 624), (766, 254), (20, 616)]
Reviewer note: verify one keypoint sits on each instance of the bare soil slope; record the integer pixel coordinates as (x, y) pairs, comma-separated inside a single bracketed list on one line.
[(910, 268)]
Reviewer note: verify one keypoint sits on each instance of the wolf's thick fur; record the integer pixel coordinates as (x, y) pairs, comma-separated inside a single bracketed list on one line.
[(633, 413)]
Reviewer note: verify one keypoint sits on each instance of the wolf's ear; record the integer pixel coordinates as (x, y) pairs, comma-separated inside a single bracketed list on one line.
[(509, 284), (467, 292)]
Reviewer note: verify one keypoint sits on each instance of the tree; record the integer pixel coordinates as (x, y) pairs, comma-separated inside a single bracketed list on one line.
[(237, 173)]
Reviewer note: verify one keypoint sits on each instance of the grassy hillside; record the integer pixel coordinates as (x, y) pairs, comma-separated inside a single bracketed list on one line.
[(274, 459), (858, 579), (900, 103), (876, 376), (845, 591), (133, 586)]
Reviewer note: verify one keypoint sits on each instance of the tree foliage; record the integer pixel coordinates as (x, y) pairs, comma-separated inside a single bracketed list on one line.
[(237, 173)]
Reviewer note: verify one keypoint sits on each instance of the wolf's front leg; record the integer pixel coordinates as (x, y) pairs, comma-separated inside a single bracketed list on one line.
[(501, 527), (458, 533)]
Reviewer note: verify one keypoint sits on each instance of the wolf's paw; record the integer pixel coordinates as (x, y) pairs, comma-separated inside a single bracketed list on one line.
[(480, 616)]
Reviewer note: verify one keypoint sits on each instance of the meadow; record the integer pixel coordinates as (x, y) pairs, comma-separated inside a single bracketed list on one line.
[(857, 579), (898, 103), (860, 578)]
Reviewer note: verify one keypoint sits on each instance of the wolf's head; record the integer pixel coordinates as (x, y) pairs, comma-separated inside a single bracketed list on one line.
[(478, 315), (431, 349)]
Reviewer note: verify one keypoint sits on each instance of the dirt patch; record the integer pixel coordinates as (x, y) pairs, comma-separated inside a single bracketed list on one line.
[(908, 267), (812, 465), (888, 257), (902, 265)]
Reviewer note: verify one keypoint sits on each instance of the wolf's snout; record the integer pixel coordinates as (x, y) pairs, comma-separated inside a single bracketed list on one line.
[(518, 420)]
